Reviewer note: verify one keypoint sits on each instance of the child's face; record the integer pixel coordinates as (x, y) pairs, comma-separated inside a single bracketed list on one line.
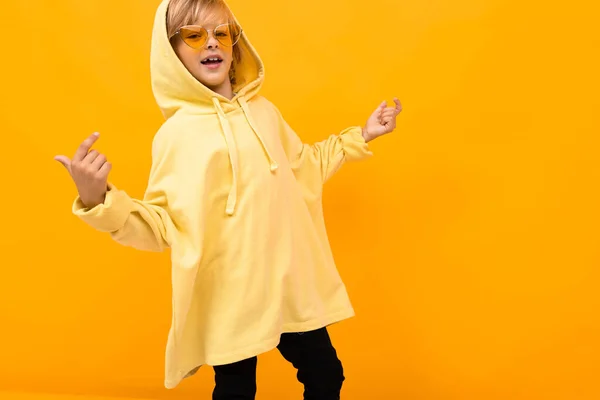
[(206, 50)]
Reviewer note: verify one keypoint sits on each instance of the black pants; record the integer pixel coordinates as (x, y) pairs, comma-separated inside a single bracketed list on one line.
[(311, 353)]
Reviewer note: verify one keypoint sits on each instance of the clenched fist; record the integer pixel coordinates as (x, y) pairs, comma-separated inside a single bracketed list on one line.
[(89, 170)]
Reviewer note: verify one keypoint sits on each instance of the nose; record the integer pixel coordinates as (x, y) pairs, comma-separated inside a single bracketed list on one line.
[(212, 43)]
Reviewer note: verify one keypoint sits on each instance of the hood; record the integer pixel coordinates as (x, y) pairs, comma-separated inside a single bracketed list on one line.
[(175, 88)]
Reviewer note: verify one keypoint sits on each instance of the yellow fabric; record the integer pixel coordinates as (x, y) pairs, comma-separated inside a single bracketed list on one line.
[(236, 196)]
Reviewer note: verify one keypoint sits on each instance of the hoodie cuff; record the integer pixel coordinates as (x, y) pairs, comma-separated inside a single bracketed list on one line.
[(109, 216), (354, 145)]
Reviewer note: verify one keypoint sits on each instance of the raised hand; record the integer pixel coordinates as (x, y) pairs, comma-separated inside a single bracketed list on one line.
[(382, 121), (89, 170)]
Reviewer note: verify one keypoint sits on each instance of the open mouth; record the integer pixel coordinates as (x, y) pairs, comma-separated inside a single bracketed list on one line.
[(211, 61)]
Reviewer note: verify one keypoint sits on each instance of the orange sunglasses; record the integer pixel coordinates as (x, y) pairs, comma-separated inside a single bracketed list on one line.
[(196, 36)]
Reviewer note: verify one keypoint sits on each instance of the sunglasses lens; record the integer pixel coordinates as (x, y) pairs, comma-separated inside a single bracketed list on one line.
[(227, 35), (194, 38)]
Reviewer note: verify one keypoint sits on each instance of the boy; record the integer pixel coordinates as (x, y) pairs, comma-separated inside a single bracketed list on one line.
[(236, 196)]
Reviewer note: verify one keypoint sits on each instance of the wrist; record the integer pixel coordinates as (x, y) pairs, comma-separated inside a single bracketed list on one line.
[(93, 202), (365, 135)]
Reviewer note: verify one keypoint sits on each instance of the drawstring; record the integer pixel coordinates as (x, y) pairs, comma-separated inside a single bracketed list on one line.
[(244, 105), (232, 148), (233, 156)]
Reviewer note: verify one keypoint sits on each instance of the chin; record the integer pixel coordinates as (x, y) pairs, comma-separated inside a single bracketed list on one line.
[(211, 79), (212, 83)]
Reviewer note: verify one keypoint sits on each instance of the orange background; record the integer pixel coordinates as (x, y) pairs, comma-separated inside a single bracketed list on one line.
[(470, 244)]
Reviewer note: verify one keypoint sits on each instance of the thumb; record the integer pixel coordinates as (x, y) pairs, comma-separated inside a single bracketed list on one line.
[(65, 161), (380, 109)]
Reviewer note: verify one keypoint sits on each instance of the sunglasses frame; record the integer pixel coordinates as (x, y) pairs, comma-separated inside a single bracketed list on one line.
[(209, 32)]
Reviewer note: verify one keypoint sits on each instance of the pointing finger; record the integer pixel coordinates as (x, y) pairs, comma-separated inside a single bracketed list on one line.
[(85, 146)]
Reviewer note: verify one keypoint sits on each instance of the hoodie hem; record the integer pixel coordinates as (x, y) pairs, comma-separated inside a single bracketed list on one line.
[(264, 346)]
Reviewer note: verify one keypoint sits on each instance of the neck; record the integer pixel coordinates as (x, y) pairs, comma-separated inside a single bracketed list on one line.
[(225, 89)]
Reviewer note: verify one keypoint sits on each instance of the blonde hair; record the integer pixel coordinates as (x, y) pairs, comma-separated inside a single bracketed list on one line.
[(189, 12)]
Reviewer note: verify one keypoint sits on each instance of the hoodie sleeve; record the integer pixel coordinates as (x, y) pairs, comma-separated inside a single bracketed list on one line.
[(141, 224), (325, 157)]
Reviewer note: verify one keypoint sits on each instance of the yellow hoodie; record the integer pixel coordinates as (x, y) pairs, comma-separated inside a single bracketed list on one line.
[(236, 196)]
